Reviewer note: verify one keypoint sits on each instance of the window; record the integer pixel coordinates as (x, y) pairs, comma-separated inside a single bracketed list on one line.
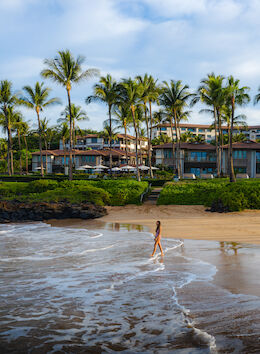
[(163, 128), (93, 140), (201, 130), (239, 154), (167, 153), (191, 129), (183, 129), (257, 155)]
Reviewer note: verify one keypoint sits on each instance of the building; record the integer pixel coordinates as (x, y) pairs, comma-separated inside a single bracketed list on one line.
[(201, 158), (205, 131), (56, 159), (97, 142), (246, 158), (195, 158)]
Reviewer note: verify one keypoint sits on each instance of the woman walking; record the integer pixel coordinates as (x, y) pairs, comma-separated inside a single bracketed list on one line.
[(157, 239)]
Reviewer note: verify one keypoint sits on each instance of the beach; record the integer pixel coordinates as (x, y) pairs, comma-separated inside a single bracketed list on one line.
[(91, 285), (191, 222)]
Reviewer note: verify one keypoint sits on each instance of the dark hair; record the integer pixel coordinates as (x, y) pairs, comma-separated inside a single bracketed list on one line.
[(158, 226)]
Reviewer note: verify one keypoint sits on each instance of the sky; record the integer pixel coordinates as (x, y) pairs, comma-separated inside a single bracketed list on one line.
[(169, 39)]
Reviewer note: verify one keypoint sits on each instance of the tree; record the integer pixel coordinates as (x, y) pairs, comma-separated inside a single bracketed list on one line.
[(149, 94), (235, 96), (106, 91), (211, 92), (37, 98), (131, 93), (123, 120), (18, 125), (66, 70), (47, 134), (174, 97), (7, 100), (64, 135), (77, 114), (257, 96)]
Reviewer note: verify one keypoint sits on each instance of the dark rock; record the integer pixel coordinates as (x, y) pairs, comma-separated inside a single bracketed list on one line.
[(21, 211), (217, 206)]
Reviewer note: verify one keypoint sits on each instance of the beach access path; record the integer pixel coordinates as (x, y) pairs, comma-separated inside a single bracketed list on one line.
[(190, 222)]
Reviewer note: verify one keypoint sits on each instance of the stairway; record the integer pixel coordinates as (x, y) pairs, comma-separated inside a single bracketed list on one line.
[(153, 196)]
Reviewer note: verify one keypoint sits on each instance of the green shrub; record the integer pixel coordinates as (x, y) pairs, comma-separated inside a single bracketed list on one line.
[(12, 189), (42, 185)]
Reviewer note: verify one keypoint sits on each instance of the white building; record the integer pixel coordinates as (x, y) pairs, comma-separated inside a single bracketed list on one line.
[(94, 141), (205, 131)]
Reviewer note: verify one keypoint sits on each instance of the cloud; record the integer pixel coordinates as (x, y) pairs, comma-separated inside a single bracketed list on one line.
[(173, 8), (21, 67)]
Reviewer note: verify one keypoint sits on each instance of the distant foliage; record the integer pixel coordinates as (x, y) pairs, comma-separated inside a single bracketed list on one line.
[(105, 192), (245, 194)]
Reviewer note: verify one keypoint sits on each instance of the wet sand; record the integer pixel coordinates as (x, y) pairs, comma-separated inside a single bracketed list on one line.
[(191, 222)]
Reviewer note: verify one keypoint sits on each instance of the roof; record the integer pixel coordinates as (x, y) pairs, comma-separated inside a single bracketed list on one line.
[(119, 135), (187, 146), (115, 152), (247, 145)]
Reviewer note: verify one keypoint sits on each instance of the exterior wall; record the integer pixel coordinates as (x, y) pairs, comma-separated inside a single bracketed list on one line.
[(36, 162), (207, 133)]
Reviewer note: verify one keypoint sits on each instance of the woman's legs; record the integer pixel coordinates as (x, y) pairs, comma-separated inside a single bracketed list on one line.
[(160, 246), (155, 246)]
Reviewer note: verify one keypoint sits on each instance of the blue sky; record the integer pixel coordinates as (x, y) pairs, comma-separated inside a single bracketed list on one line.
[(170, 39)]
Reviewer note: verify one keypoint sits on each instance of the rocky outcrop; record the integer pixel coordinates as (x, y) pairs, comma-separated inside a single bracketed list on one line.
[(217, 206), (12, 211)]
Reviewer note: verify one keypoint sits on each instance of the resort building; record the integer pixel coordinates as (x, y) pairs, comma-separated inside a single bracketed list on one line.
[(195, 158), (97, 142), (201, 158), (58, 159), (205, 131)]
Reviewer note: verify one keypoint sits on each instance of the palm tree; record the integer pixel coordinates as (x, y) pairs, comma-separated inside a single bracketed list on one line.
[(131, 93), (18, 126), (257, 96), (107, 133), (47, 134), (235, 96), (149, 94), (64, 135), (24, 129), (212, 93), (7, 100), (123, 120), (174, 97), (106, 91), (37, 98), (65, 70), (77, 114), (9, 126)]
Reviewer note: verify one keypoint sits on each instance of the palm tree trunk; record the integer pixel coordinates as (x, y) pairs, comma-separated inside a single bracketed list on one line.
[(20, 157), (232, 177), (64, 149), (40, 140), (173, 147), (46, 156), (8, 141), (74, 140), (11, 150), (126, 147), (110, 139), (177, 145), (216, 140), (136, 144), (219, 142), (26, 156), (150, 140), (70, 150)]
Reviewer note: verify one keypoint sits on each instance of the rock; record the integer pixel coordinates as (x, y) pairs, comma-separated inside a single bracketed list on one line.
[(217, 206), (21, 211)]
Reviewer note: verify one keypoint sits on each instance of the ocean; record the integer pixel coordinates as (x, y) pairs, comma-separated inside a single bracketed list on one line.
[(80, 290)]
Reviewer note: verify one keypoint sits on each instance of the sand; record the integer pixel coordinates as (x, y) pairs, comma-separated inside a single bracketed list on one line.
[(191, 222)]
